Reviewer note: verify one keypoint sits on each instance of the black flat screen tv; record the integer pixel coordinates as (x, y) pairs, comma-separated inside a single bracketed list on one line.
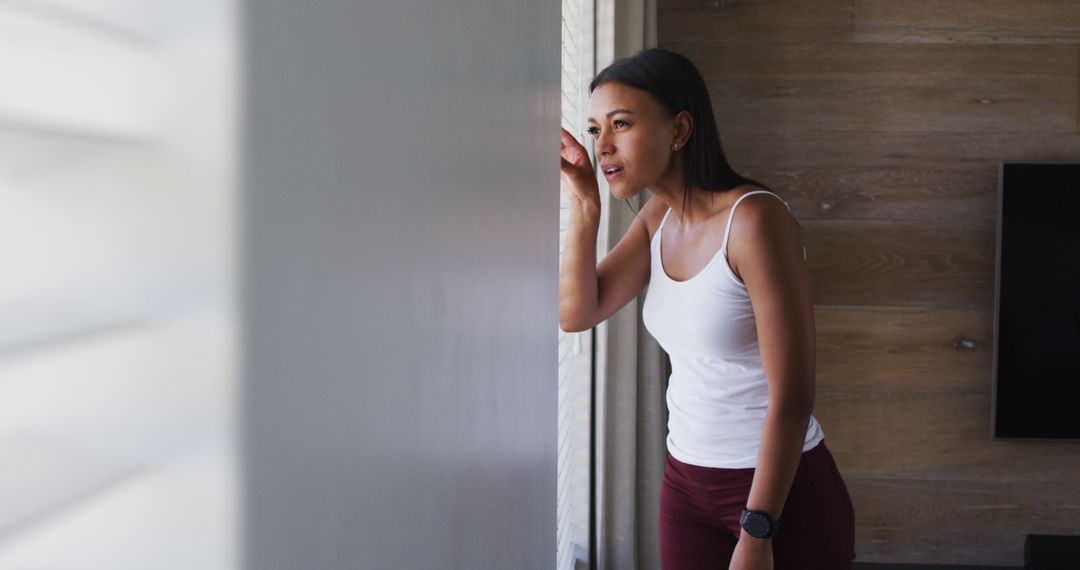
[(1036, 361)]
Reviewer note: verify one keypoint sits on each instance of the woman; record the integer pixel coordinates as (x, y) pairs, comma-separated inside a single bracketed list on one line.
[(749, 483)]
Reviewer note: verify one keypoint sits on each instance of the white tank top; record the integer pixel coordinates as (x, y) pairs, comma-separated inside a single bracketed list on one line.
[(717, 394)]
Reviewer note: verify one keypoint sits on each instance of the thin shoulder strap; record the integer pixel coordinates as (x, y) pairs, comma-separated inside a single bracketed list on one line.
[(731, 215)]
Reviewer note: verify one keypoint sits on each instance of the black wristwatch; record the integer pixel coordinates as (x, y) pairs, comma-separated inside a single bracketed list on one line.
[(759, 524)]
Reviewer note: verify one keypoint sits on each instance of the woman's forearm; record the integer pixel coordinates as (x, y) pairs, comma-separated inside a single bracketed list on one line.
[(778, 459), (578, 287)]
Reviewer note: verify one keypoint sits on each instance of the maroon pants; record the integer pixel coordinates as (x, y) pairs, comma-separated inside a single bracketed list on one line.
[(700, 508)]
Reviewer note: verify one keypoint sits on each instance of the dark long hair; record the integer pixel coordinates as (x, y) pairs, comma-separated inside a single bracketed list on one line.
[(676, 84)]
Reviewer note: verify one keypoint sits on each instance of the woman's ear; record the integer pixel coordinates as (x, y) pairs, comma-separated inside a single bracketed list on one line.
[(684, 125)]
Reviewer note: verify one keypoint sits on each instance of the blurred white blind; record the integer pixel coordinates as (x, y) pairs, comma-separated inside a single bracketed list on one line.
[(116, 339), (575, 349)]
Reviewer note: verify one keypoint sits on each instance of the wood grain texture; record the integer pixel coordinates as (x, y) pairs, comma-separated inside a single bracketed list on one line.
[(934, 436), (985, 21), (901, 263), (904, 349), (889, 87), (958, 522), (939, 177), (754, 20)]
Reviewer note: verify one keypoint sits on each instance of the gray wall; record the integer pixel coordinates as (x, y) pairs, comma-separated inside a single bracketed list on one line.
[(399, 284)]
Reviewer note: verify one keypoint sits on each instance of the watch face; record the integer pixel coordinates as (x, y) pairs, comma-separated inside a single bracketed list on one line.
[(756, 525)]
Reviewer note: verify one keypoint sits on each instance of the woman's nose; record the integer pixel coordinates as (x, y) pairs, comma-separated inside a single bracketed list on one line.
[(604, 143)]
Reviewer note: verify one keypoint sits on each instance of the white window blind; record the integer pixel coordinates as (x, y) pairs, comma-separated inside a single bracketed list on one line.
[(575, 349), (115, 330)]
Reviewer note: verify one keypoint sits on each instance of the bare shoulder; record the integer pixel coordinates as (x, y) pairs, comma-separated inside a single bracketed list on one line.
[(757, 213), (761, 204), (761, 223)]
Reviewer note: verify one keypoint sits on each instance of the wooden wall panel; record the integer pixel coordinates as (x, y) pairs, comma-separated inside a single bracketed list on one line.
[(899, 262), (884, 349), (987, 21), (934, 436), (754, 20), (885, 133), (889, 87), (933, 176), (957, 522)]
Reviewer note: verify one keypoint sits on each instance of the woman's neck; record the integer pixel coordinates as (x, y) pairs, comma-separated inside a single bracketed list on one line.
[(698, 207)]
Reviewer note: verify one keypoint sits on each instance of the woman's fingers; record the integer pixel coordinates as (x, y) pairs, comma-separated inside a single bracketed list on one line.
[(575, 169), (572, 150), (566, 138), (575, 157)]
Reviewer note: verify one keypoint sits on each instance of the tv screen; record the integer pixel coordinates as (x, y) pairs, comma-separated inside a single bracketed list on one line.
[(1036, 368)]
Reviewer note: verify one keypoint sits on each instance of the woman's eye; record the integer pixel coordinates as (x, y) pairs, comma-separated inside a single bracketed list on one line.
[(595, 131)]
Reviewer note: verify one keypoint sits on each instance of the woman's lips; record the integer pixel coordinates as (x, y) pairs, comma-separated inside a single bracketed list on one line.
[(613, 175)]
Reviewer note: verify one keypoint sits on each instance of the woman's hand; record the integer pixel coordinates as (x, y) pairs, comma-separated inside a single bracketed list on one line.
[(752, 554), (578, 176)]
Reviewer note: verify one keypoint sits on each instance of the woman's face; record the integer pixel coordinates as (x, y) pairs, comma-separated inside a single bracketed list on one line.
[(633, 135)]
